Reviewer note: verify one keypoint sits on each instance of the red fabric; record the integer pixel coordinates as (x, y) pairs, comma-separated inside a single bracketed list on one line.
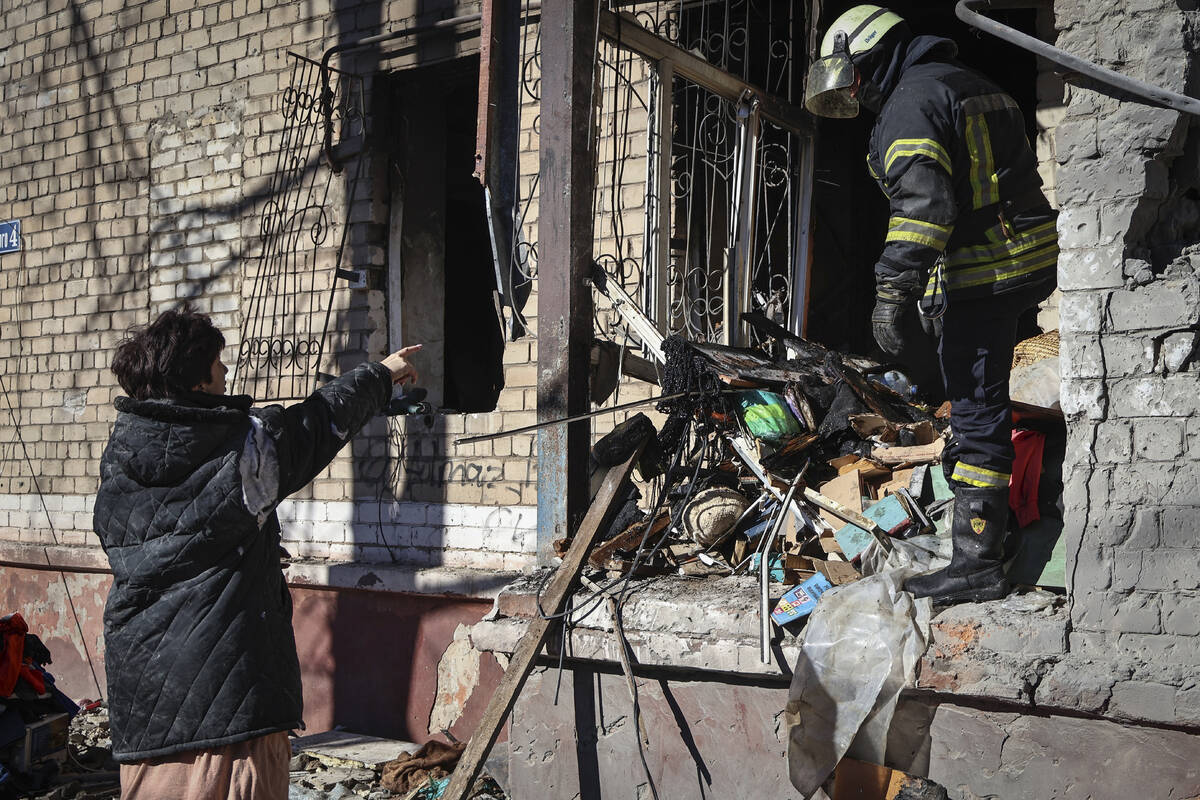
[(12, 651), (34, 677), (1026, 474)]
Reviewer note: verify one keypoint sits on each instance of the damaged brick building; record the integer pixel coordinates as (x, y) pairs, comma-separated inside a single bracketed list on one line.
[(162, 150)]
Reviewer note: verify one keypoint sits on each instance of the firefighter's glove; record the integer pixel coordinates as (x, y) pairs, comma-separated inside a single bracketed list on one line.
[(893, 320)]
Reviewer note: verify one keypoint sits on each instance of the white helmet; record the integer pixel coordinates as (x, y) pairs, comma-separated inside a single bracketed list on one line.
[(833, 79)]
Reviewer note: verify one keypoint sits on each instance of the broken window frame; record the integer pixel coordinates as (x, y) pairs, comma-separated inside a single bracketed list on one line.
[(667, 61)]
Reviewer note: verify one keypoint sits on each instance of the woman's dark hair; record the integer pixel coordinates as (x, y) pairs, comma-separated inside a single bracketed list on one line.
[(168, 357)]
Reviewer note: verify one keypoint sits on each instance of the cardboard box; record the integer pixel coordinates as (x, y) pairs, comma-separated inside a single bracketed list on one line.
[(801, 600), (848, 490), (891, 515)]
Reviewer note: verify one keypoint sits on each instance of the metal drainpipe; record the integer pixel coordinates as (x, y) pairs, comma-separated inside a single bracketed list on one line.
[(1155, 94)]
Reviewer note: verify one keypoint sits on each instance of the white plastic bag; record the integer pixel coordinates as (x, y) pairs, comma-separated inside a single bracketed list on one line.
[(861, 647)]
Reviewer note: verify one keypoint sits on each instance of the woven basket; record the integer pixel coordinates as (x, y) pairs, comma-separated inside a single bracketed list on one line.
[(1034, 349)]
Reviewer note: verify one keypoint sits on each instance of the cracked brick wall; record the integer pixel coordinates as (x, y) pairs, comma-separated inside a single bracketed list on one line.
[(1128, 183)]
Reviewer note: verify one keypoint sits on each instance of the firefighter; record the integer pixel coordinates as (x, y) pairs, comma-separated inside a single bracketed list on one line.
[(971, 244)]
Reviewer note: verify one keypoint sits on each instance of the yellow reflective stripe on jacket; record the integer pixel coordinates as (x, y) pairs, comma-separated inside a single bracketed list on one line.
[(1042, 259), (930, 234), (904, 148), (1033, 250), (937, 279), (985, 189), (979, 476), (1031, 239), (985, 186)]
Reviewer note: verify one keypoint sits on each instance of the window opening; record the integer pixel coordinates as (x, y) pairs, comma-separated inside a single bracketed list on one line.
[(698, 197), (665, 169), (442, 278)]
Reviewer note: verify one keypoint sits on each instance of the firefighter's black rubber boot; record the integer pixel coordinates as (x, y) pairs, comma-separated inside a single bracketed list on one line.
[(976, 571)]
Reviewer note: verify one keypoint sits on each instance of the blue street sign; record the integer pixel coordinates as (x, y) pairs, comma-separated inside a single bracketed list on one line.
[(10, 236)]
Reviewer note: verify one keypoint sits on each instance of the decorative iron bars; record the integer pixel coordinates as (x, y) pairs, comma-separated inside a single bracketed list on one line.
[(698, 198), (288, 295)]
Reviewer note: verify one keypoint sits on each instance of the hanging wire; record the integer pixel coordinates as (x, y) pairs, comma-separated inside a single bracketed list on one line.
[(53, 534)]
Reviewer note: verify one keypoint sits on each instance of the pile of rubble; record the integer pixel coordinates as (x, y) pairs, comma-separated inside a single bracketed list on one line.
[(339, 765), (786, 462)]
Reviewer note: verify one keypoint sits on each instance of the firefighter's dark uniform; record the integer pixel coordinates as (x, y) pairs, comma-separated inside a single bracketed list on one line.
[(970, 223)]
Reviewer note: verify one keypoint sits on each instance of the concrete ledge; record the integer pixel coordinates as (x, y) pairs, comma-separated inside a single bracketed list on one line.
[(53, 556), (999, 650), (484, 584), (706, 624)]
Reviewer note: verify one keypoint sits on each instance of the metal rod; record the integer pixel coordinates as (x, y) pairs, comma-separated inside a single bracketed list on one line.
[(1148, 91), (629, 311), (626, 32), (764, 571), (573, 418)]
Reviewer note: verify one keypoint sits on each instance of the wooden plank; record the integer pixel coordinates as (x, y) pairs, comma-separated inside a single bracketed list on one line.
[(853, 517), (846, 489), (562, 585), (920, 454), (625, 31)]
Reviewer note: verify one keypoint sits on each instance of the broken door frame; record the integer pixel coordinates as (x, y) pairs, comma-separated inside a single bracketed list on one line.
[(567, 162)]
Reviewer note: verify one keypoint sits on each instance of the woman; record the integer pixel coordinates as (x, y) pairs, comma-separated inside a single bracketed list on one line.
[(203, 678)]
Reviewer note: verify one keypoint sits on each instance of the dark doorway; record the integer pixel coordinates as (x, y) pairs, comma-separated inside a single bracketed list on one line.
[(440, 255)]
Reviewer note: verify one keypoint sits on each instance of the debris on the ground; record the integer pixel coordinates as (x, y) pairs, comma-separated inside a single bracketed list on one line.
[(340, 765), (339, 748), (733, 443), (858, 780), (335, 765), (35, 721)]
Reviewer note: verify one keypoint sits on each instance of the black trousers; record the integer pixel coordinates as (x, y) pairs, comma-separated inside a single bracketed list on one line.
[(975, 354)]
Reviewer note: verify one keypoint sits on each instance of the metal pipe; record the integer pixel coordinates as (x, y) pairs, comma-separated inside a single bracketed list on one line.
[(1147, 91), (487, 437), (764, 570)]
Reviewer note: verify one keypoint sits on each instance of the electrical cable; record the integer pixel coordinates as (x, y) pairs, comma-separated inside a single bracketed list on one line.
[(53, 534)]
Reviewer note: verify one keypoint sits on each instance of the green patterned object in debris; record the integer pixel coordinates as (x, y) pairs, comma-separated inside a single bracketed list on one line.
[(767, 416)]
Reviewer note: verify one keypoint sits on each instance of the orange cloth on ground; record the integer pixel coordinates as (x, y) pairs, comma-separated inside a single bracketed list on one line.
[(252, 770)]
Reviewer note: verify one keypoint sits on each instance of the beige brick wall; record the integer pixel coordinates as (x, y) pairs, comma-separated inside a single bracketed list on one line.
[(138, 145)]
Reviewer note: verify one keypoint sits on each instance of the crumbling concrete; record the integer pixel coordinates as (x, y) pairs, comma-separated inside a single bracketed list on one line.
[(1127, 182), (457, 678), (678, 623), (983, 755), (1011, 654)]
